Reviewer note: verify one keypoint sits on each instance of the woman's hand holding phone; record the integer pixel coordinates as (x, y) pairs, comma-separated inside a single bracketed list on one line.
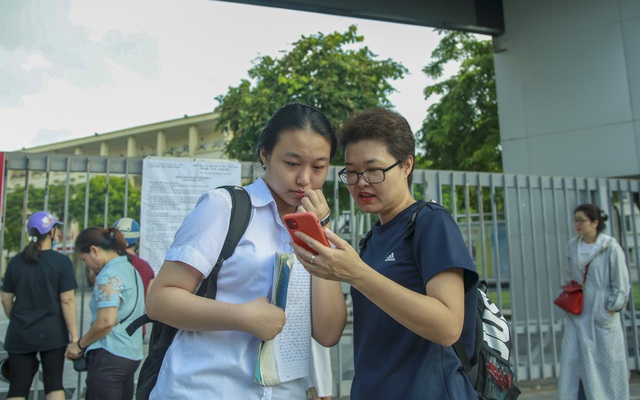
[(307, 223)]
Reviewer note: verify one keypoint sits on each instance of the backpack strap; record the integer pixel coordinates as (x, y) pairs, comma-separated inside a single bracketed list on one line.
[(462, 355), (363, 242), (411, 227), (137, 323), (240, 216)]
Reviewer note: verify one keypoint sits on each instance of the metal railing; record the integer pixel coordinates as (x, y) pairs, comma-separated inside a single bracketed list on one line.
[(515, 227)]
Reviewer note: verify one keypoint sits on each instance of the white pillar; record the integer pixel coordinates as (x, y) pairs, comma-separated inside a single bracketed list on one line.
[(78, 151), (161, 143), (193, 140), (131, 146), (104, 148)]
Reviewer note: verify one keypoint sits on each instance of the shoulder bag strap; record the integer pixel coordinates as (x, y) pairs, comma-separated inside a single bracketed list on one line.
[(135, 278), (586, 270)]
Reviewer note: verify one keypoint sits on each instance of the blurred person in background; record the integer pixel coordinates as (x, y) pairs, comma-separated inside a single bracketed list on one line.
[(593, 362), (130, 229), (117, 299), (38, 297)]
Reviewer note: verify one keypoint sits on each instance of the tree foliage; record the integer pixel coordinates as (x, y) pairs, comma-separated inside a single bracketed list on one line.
[(461, 130), (17, 214), (329, 72)]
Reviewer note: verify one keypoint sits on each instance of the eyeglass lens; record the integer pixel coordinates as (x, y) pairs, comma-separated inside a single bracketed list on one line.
[(371, 176), (374, 175)]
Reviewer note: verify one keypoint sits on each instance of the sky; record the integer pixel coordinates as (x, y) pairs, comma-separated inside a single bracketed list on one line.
[(72, 68)]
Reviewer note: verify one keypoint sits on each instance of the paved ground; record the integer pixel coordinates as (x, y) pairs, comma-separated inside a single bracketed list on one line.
[(547, 390)]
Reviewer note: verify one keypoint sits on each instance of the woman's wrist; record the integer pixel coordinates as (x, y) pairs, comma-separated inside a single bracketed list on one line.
[(80, 346), (324, 221)]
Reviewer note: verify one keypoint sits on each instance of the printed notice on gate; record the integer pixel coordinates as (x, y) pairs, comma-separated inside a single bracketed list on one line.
[(170, 189)]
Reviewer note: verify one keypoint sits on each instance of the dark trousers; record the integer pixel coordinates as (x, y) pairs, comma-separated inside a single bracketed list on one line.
[(109, 377), (22, 370), (581, 395)]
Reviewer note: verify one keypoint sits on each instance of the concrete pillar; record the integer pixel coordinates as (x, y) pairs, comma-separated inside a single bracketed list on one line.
[(104, 148), (193, 140), (161, 143), (131, 146)]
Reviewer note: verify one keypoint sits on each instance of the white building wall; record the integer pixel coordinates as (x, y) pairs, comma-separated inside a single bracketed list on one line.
[(568, 81)]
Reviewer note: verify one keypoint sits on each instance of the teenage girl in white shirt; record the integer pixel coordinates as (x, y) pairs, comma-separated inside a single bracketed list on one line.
[(213, 356)]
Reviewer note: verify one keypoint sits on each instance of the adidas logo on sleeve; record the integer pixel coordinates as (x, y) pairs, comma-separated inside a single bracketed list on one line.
[(390, 258)]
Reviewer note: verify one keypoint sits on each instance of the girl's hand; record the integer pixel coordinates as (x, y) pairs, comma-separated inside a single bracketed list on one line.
[(264, 320), (315, 202)]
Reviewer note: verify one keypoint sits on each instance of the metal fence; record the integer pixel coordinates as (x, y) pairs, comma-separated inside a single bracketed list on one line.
[(515, 227)]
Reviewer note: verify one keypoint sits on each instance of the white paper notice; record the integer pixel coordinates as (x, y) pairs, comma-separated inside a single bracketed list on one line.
[(170, 189)]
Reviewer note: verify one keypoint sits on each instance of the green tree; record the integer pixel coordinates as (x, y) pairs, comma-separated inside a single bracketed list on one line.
[(328, 72), (17, 214), (461, 130)]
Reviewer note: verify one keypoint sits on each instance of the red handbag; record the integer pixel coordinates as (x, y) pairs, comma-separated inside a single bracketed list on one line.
[(570, 299)]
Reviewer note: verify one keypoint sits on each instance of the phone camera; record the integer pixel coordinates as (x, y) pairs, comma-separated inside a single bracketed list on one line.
[(291, 223)]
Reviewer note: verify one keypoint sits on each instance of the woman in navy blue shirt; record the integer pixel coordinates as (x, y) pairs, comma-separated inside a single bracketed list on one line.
[(414, 297)]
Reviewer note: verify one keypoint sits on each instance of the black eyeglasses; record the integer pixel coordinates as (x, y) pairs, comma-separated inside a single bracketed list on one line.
[(374, 175)]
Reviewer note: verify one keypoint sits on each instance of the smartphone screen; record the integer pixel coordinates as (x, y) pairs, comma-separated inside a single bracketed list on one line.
[(308, 223)]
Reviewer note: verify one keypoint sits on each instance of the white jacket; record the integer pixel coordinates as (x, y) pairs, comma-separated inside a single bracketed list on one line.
[(593, 344)]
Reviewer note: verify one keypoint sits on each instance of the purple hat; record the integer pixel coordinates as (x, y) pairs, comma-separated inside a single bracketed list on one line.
[(42, 222)]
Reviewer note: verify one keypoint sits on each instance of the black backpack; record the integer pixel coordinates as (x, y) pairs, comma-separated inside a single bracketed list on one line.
[(162, 334), (489, 370)]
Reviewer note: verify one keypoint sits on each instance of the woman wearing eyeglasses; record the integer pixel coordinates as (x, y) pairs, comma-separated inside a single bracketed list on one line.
[(412, 297), (593, 363)]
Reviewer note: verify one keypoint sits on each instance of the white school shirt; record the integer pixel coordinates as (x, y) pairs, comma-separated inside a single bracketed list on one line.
[(220, 364)]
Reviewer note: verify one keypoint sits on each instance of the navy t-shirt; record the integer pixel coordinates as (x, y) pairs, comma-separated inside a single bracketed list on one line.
[(391, 362), (37, 322)]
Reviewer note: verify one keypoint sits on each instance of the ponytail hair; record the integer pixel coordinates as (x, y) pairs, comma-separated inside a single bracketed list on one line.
[(594, 213), (32, 251), (106, 238)]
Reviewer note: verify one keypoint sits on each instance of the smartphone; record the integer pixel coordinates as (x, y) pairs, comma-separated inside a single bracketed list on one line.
[(308, 223)]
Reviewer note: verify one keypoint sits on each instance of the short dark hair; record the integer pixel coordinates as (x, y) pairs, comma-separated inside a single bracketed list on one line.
[(385, 126), (594, 213), (295, 116)]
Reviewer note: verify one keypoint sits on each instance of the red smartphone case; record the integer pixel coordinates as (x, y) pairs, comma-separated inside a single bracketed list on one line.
[(308, 223)]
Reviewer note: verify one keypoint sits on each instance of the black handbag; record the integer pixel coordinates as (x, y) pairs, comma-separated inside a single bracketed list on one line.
[(80, 364)]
